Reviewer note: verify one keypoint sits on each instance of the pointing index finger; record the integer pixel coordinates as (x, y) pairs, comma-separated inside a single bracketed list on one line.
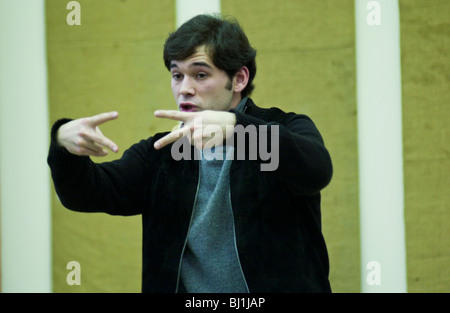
[(173, 115), (102, 118)]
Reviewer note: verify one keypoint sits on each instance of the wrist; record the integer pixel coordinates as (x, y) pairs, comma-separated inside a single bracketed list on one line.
[(55, 130)]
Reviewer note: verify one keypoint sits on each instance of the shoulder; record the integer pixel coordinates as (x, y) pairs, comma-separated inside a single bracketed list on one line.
[(274, 114)]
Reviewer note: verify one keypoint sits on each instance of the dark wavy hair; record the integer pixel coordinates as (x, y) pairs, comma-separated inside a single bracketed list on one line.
[(224, 40)]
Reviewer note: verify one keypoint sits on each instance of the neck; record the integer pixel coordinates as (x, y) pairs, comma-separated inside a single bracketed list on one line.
[(235, 100)]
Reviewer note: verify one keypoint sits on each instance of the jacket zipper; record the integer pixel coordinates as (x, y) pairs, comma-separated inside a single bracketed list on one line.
[(235, 242), (187, 234)]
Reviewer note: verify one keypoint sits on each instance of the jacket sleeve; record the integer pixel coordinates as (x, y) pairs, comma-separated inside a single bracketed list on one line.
[(298, 153), (111, 187)]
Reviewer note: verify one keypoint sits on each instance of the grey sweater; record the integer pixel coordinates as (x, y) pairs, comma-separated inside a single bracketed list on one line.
[(210, 261)]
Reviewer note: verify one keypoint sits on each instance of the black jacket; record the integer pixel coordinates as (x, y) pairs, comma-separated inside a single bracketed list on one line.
[(276, 213)]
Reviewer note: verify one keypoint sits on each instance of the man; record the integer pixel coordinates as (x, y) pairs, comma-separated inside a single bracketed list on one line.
[(209, 224)]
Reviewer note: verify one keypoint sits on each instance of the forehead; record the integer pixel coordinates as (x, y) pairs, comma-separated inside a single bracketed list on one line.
[(199, 58)]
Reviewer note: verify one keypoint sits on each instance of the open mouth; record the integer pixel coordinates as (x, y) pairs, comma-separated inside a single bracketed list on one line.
[(188, 107)]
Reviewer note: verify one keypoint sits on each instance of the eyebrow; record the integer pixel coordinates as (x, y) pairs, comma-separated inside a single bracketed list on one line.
[(173, 64)]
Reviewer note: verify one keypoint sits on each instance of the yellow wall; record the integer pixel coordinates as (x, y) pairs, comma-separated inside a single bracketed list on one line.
[(306, 64), (425, 34)]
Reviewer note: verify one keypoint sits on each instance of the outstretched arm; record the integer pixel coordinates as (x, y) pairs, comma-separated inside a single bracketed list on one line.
[(82, 185)]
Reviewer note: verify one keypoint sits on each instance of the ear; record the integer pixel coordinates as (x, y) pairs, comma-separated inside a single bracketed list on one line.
[(241, 79)]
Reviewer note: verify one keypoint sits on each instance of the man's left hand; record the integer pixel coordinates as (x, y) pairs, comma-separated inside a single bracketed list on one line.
[(205, 128)]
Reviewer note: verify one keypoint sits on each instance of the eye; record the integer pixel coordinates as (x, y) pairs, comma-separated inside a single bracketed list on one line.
[(201, 75), (176, 76)]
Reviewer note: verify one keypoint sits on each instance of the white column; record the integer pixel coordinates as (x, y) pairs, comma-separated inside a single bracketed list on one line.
[(24, 175), (383, 257), (185, 9)]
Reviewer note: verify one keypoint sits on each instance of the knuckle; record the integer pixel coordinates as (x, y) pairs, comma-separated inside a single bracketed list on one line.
[(78, 142), (78, 150), (82, 133), (84, 121)]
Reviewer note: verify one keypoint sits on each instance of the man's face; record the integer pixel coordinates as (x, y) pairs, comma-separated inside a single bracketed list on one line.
[(197, 84)]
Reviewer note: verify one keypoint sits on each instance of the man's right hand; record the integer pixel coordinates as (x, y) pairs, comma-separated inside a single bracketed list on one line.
[(83, 137)]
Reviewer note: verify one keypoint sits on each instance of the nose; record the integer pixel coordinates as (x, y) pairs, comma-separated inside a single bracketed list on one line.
[(187, 86)]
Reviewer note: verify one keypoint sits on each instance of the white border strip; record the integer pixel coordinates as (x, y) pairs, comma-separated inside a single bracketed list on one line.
[(383, 256), (24, 175), (186, 9)]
